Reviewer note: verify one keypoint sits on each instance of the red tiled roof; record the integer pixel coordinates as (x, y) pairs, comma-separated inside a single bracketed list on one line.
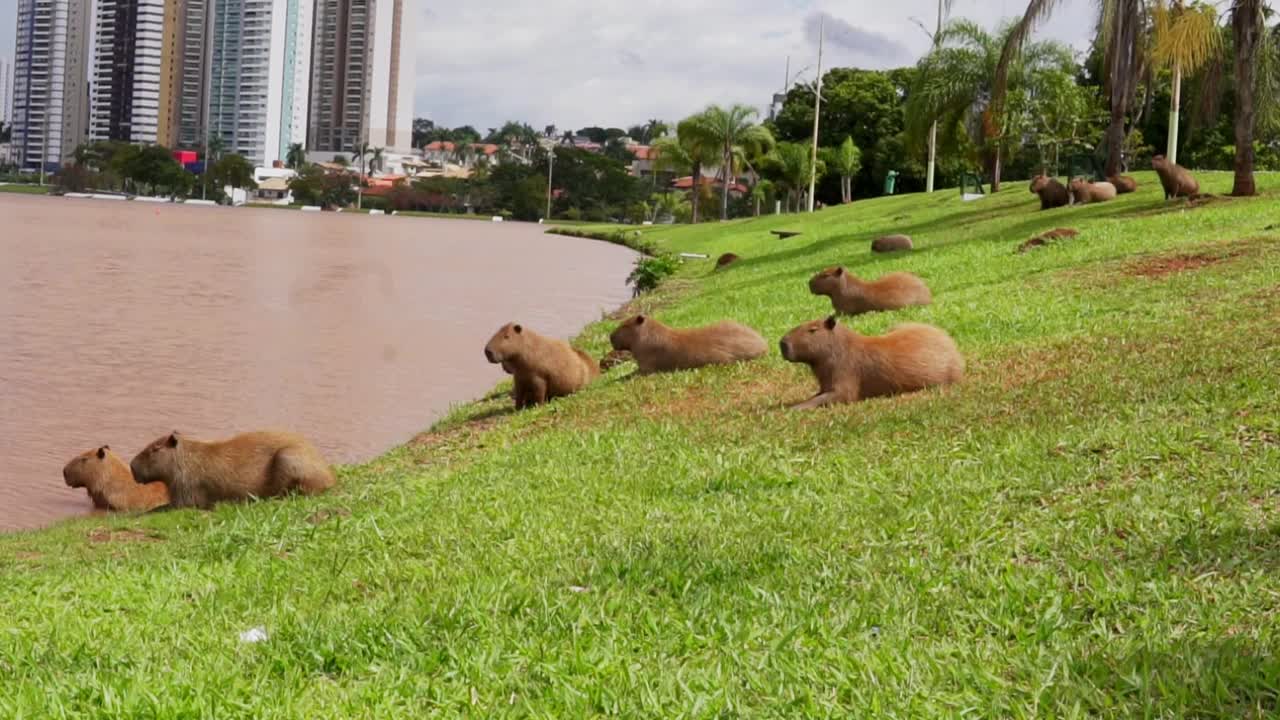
[(642, 152), (686, 183)]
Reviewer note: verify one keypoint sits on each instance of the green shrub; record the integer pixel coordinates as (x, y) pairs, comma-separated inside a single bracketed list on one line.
[(650, 271)]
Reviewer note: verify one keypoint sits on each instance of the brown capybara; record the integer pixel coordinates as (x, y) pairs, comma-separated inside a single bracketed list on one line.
[(1177, 181), (1124, 184), (891, 243), (658, 347), (544, 368), (110, 484), (726, 260), (852, 296), (1086, 192), (250, 465), (1045, 238), (851, 367), (1053, 194)]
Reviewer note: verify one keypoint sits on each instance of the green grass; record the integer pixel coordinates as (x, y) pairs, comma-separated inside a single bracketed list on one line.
[(1087, 527), (24, 189)]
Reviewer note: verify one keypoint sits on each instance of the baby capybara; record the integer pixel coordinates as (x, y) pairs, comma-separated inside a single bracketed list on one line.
[(891, 243), (1086, 192), (250, 465), (543, 367), (1124, 184), (110, 484), (660, 348), (1053, 194), (851, 367), (1175, 179), (852, 296)]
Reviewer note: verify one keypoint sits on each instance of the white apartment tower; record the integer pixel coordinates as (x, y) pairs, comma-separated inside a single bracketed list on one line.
[(6, 89), (257, 93), (50, 87)]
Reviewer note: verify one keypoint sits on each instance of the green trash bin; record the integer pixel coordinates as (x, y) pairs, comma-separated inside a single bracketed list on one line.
[(890, 180)]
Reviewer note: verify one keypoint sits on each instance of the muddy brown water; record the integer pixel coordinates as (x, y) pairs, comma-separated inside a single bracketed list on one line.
[(121, 321)]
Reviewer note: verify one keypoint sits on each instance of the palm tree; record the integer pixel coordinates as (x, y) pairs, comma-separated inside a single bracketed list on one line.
[(847, 160), (362, 151), (376, 161), (1122, 25), (1186, 38), (297, 157), (549, 131), (794, 163), (944, 9), (1249, 30), (731, 129), (759, 192), (654, 129), (691, 148)]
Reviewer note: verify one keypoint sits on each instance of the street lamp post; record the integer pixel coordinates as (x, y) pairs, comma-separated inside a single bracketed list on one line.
[(817, 107), (551, 163)]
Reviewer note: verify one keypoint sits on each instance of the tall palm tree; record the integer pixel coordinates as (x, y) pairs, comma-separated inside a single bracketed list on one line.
[(376, 161), (944, 9), (1122, 25), (654, 129), (297, 156), (1186, 38), (362, 151), (737, 137), (692, 148), (794, 162), (847, 160), (1249, 30)]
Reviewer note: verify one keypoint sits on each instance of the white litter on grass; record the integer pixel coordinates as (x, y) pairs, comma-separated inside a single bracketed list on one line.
[(254, 635), (579, 589), (699, 256), (497, 218)]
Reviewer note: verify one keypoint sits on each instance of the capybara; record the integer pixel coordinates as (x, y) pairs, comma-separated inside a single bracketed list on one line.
[(658, 347), (1053, 194), (726, 260), (251, 465), (1045, 238), (544, 368), (110, 483), (850, 367), (1177, 181), (891, 243), (1086, 192), (852, 296), (1124, 184)]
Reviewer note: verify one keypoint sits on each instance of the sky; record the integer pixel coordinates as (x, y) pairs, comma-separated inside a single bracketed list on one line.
[(573, 64)]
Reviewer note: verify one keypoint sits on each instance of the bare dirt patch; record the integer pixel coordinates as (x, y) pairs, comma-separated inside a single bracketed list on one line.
[(1158, 267), (672, 291), (106, 535)]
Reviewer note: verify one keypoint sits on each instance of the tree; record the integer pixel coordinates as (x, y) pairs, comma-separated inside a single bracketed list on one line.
[(846, 160), (422, 130), (297, 156), (1186, 38), (759, 193), (549, 131), (151, 166), (1249, 31), (596, 135), (790, 166), (736, 137), (233, 171), (692, 148), (1122, 28), (314, 185), (376, 160), (362, 151), (213, 148)]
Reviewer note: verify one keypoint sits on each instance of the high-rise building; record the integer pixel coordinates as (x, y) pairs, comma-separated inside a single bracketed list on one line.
[(6, 89), (252, 98), (50, 81), (125, 83), (189, 73), (362, 75)]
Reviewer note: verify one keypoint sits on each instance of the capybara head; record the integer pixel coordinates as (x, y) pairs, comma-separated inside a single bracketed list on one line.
[(92, 467), (1159, 162), (631, 330), (505, 344), (827, 282), (1079, 184), (811, 341), (158, 462), (1039, 183)]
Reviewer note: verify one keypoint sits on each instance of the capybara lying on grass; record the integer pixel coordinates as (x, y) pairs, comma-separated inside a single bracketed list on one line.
[(110, 483), (660, 348), (891, 243), (1124, 184), (544, 368), (1177, 181), (251, 465), (851, 367), (726, 260), (1053, 194), (1090, 192), (852, 296)]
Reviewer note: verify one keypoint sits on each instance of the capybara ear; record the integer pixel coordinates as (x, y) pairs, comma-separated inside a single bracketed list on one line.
[(640, 319), (839, 271), (173, 439), (830, 322), (518, 329), (102, 452)]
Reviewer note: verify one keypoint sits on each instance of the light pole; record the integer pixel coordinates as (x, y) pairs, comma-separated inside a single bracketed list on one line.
[(817, 106), (933, 129), (551, 163)]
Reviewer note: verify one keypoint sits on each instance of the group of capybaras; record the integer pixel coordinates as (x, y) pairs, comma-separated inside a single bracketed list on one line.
[(177, 471)]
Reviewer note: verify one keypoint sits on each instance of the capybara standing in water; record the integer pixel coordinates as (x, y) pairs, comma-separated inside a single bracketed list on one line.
[(110, 483), (1176, 180), (1053, 194), (660, 348), (852, 296), (1124, 184), (544, 368), (1090, 192), (850, 367), (891, 243), (251, 465)]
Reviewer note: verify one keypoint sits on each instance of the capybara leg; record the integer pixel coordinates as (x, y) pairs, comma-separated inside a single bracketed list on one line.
[(298, 470), (535, 392), (823, 398), (520, 393)]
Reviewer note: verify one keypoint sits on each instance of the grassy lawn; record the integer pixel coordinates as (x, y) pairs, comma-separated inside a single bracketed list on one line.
[(24, 189), (1088, 526)]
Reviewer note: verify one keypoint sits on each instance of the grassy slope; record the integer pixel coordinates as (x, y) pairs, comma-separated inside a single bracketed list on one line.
[(1086, 527), (23, 189)]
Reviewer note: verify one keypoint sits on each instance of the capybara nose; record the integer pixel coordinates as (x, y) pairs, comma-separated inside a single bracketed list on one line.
[(66, 477), (488, 355), (785, 347)]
